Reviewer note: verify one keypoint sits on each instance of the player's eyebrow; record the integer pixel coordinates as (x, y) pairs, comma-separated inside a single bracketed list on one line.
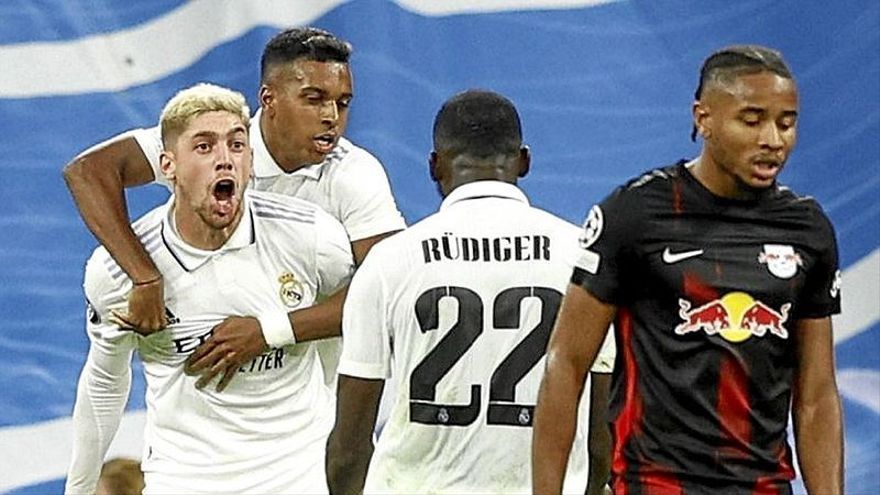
[(206, 134), (237, 129)]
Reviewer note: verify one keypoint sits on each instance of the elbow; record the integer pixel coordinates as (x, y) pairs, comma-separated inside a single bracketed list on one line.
[(73, 171), (83, 173)]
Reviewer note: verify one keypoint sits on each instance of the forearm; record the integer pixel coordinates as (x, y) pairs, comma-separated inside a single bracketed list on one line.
[(819, 443), (97, 412), (555, 426), (347, 465), (99, 196), (320, 321)]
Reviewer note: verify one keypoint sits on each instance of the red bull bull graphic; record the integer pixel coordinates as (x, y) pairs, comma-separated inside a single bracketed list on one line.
[(735, 317)]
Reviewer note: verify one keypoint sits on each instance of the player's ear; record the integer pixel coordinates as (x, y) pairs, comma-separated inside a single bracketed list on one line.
[(168, 165), (702, 119), (267, 99), (525, 161), (432, 166)]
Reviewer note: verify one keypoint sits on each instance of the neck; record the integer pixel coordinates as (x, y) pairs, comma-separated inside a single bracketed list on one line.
[(711, 175), (194, 231)]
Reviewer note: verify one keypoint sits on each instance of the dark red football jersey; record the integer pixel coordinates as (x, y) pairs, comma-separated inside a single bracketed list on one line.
[(707, 290)]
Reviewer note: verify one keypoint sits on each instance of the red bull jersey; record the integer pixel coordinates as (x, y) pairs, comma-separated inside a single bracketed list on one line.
[(707, 290)]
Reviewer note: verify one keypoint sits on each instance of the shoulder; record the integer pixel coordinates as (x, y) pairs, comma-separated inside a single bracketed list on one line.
[(148, 228), (349, 164), (656, 179), (639, 194), (792, 207), (268, 206), (288, 216), (348, 154)]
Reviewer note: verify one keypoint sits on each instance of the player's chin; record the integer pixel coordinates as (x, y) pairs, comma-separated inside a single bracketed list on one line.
[(222, 216), (759, 184), (318, 155)]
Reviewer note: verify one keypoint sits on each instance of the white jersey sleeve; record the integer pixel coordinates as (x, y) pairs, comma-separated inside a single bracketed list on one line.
[(367, 206), (335, 262), (366, 337), (150, 141), (105, 380)]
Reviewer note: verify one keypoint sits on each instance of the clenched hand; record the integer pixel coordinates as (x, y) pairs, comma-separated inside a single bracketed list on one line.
[(237, 340), (146, 309)]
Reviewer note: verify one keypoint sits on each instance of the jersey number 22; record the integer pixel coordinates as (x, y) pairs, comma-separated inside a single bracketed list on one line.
[(506, 309)]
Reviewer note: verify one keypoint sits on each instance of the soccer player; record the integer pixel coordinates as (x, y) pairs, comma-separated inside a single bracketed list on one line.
[(721, 283), (305, 93), (458, 309), (222, 251)]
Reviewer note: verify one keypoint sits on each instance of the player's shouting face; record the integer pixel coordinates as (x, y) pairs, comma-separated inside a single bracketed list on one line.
[(749, 126), (306, 104), (210, 163)]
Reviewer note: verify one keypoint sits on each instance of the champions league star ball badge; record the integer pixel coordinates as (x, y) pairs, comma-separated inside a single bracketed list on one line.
[(291, 291), (781, 260), (592, 227)]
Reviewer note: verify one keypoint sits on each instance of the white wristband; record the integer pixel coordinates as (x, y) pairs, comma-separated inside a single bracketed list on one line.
[(277, 329)]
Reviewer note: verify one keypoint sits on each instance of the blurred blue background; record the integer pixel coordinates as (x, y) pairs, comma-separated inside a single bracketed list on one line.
[(604, 89)]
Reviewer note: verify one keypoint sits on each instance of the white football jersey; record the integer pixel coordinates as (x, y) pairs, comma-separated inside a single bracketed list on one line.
[(458, 310), (350, 184), (266, 432)]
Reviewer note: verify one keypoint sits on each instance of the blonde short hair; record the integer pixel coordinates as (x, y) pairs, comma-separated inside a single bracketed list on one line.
[(191, 102)]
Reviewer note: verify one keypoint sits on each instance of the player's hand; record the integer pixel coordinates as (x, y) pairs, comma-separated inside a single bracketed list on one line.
[(237, 340), (146, 309)]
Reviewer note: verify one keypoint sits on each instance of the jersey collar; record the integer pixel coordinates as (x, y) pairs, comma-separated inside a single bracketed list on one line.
[(191, 258), (265, 167), (484, 189)]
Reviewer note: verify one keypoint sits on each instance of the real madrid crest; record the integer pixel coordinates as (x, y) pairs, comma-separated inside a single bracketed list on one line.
[(291, 291), (781, 260)]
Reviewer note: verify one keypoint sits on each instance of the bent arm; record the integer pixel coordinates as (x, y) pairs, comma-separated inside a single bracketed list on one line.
[(816, 409), (324, 320), (577, 336), (350, 445), (96, 180)]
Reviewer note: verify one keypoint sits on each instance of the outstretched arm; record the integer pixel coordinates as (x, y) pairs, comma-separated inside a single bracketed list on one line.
[(96, 180), (350, 446), (577, 336), (816, 409)]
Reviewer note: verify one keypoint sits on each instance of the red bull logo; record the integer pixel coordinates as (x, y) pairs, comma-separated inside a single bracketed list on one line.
[(735, 317)]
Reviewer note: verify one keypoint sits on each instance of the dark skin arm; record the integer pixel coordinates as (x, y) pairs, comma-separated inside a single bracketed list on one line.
[(96, 181), (350, 445), (238, 340), (599, 441), (816, 409), (577, 336)]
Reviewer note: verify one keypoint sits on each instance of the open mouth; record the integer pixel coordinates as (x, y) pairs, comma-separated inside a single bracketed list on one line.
[(766, 170), (324, 143), (224, 196), (224, 190)]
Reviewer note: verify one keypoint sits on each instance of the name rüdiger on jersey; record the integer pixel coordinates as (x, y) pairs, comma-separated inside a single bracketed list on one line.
[(505, 248)]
